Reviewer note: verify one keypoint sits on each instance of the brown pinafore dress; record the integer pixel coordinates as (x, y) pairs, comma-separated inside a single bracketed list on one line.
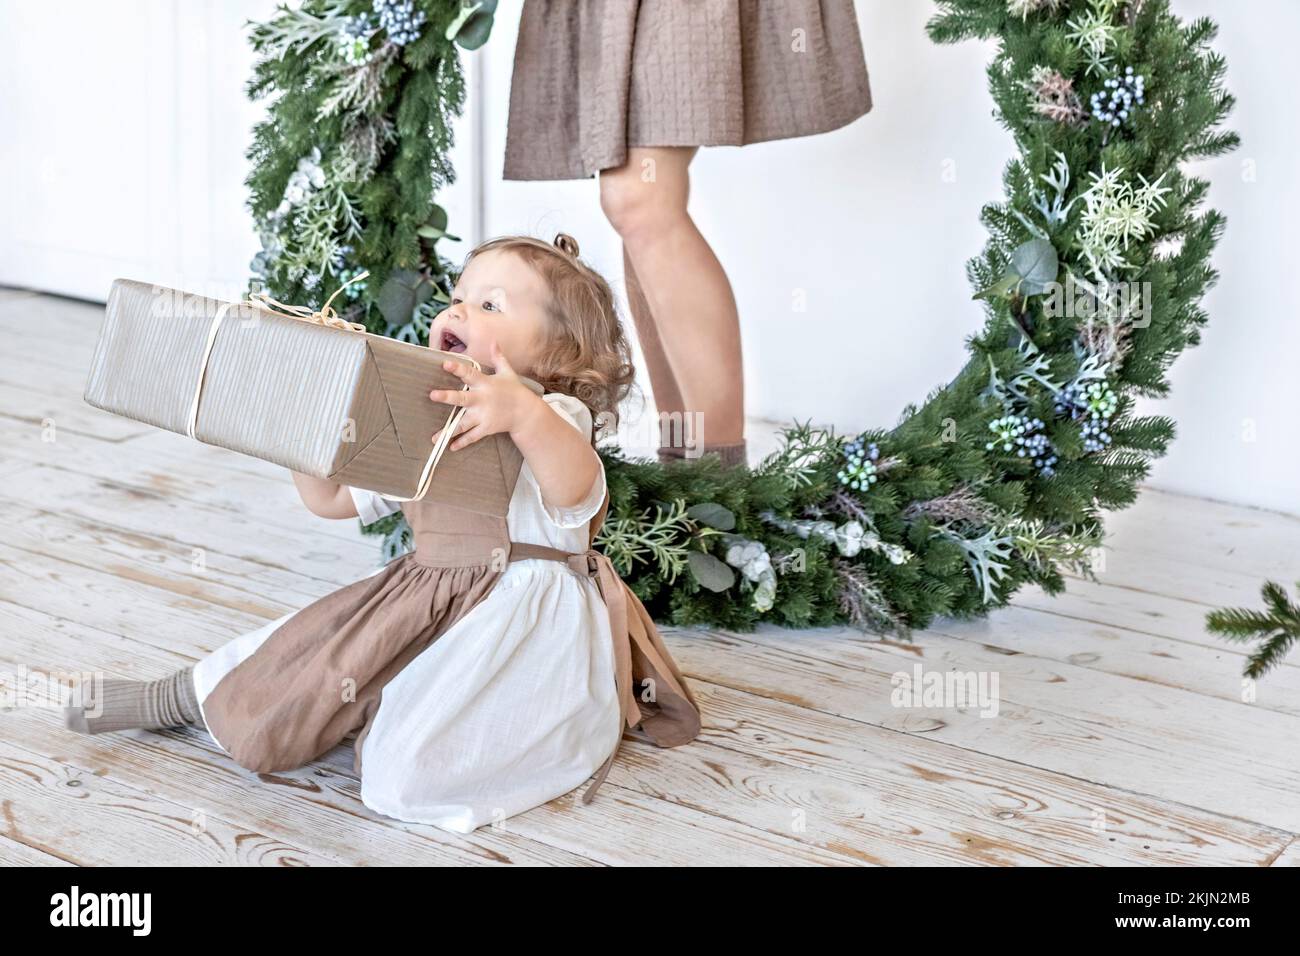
[(319, 676), (595, 77)]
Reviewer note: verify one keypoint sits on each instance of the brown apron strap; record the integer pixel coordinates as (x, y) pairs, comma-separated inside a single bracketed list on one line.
[(520, 550)]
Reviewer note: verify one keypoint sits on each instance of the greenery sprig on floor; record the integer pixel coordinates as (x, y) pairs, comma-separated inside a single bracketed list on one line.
[(1276, 628), (1091, 281)]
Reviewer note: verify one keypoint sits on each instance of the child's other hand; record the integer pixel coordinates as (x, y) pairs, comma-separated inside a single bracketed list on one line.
[(493, 403)]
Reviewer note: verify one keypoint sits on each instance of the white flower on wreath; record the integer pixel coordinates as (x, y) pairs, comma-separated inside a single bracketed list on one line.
[(765, 594), (306, 178), (755, 565), (849, 538), (751, 558), (895, 553)]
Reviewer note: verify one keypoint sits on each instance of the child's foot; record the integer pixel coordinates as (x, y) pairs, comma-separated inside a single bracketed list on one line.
[(111, 704)]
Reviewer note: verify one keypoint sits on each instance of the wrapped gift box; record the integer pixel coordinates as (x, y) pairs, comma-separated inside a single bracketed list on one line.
[(323, 400)]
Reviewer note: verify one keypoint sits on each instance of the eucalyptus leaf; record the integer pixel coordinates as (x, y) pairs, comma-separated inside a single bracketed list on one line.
[(1000, 289), (433, 234), (402, 291), (1036, 264), (473, 25), (712, 514), (467, 10), (437, 218), (712, 574), (435, 227)]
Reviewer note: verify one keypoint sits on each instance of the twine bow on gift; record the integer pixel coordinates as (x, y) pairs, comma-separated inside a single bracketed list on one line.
[(325, 316)]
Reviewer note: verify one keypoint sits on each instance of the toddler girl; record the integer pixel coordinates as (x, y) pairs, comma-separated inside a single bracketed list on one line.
[(497, 665)]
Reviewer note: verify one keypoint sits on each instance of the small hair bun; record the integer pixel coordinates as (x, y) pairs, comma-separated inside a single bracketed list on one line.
[(566, 243)]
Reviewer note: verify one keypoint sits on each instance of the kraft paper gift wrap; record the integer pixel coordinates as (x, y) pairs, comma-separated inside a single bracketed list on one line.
[(321, 399)]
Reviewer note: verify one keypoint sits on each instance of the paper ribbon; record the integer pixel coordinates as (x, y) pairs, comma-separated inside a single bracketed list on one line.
[(593, 563), (325, 316)]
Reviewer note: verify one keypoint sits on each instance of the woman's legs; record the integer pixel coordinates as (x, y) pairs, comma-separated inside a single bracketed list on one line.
[(693, 351), (663, 383)]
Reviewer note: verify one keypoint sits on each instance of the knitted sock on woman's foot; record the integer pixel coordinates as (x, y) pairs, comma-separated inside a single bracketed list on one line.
[(128, 704), (669, 453), (731, 455)]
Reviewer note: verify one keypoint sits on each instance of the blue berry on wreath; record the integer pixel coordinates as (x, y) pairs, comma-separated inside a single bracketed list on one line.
[(1093, 405), (1120, 99), (400, 20), (1039, 450), (354, 39), (1024, 436), (859, 471), (1095, 435)]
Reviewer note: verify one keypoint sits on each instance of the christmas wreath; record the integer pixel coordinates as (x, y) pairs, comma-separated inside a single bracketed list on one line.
[(1097, 258)]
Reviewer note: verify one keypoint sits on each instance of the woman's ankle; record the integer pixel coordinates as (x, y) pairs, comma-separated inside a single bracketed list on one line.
[(731, 453)]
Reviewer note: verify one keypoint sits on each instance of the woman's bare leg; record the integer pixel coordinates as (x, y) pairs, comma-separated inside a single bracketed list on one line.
[(689, 297), (663, 384)]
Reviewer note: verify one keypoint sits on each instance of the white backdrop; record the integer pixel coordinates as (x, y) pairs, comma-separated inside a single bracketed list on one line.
[(123, 155)]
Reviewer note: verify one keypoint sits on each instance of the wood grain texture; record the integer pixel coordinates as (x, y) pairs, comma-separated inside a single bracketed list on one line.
[(1121, 736)]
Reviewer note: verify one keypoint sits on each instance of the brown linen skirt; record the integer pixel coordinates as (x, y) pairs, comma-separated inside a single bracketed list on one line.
[(320, 675), (593, 77)]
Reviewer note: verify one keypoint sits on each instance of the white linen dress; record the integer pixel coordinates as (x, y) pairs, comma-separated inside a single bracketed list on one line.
[(515, 704)]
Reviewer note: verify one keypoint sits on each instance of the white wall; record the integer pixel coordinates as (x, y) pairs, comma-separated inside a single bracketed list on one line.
[(124, 156), (123, 129), (122, 133)]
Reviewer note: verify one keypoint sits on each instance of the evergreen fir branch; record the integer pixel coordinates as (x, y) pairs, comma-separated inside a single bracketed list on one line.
[(959, 20), (1276, 628), (358, 89)]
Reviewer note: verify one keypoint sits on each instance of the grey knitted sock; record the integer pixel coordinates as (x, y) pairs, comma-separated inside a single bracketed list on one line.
[(731, 455), (114, 704)]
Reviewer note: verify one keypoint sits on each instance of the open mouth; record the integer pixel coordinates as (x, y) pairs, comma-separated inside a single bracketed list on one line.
[(447, 342)]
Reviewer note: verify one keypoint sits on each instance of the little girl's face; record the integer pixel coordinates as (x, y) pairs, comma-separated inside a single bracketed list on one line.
[(497, 298)]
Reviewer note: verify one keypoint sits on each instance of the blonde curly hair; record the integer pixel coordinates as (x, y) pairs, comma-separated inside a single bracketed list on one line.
[(585, 353)]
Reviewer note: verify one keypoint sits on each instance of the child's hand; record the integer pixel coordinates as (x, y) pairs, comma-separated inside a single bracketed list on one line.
[(493, 403)]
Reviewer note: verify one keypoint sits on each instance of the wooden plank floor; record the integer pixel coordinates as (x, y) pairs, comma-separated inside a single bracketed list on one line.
[(1121, 734)]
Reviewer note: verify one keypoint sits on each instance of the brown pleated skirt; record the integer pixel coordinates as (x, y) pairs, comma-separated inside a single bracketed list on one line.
[(593, 77)]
